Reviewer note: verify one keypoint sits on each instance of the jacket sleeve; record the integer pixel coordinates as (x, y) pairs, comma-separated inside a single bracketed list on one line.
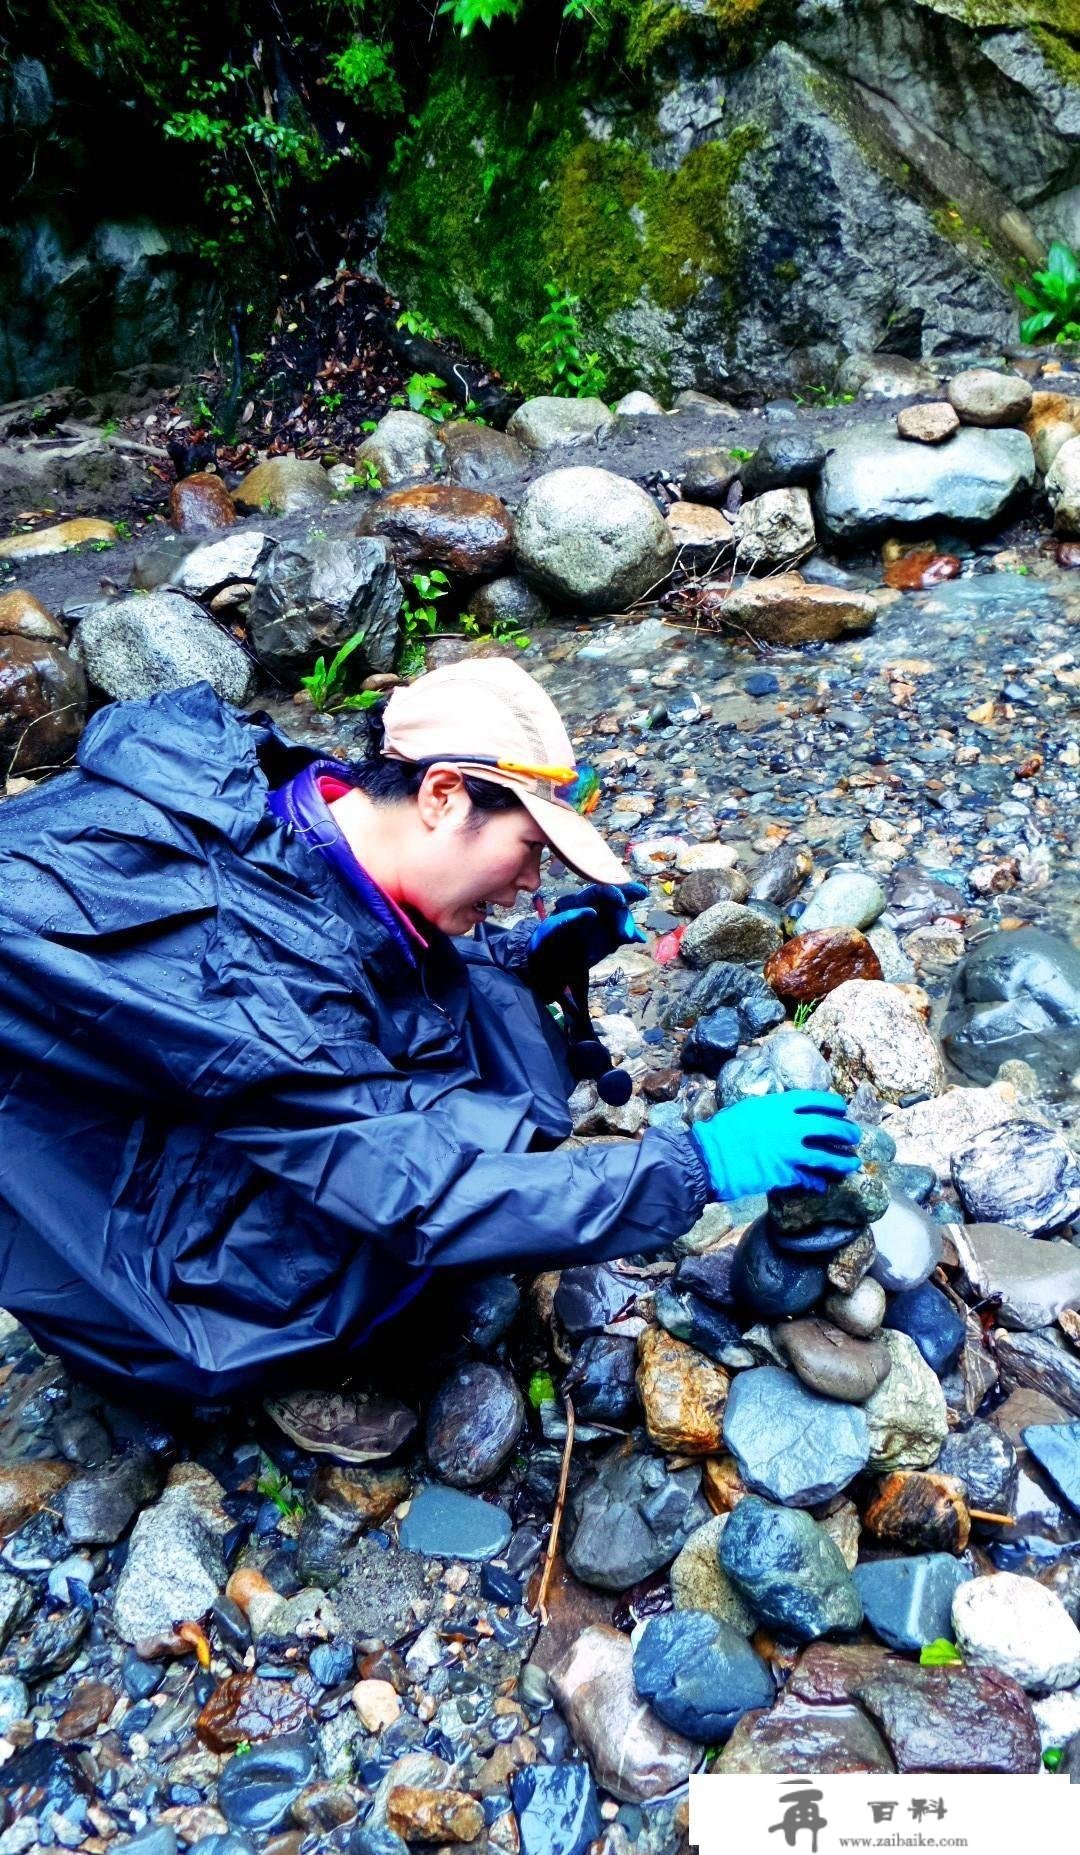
[(421, 1182)]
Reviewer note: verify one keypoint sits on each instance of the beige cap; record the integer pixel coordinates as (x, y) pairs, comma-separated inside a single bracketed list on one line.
[(489, 717)]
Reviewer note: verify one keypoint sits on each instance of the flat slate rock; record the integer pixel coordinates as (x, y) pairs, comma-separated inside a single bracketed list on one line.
[(796, 1737), (908, 1601), (791, 1444), (446, 1524), (1057, 1447), (1035, 1277), (953, 1719)]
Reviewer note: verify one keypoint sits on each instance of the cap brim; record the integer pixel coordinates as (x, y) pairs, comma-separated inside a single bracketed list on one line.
[(574, 839)]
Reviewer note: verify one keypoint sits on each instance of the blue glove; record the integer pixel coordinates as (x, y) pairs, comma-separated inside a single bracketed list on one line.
[(801, 1137), (580, 931)]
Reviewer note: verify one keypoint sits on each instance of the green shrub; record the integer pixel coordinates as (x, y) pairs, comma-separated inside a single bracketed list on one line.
[(1053, 296)]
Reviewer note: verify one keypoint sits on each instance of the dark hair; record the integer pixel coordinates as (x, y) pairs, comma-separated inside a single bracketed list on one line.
[(386, 781)]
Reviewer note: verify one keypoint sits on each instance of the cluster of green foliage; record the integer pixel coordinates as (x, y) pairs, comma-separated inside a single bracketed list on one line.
[(275, 1486), (1053, 297), (326, 683)]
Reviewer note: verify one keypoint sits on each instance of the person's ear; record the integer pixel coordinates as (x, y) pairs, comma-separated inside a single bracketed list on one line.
[(442, 799)]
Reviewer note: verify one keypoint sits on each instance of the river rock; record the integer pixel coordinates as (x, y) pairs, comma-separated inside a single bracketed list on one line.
[(404, 444), (478, 454), (786, 1059), (702, 535), (929, 1133), (811, 965), (601, 1379), (984, 1460), (789, 1570), (509, 600), (952, 1719), (257, 1790), (418, 1814), (1020, 1173), (707, 474), (698, 1581), (142, 644), (311, 597), (931, 424), (591, 1295), (556, 1808), (24, 616), (547, 421), (443, 1524), (884, 376), (25, 1487), (702, 888), (781, 874), (729, 931), (1016, 1625), (791, 1444), (849, 1265), (795, 1738), (1063, 488), (908, 1602), (1016, 997), (473, 1424), (831, 1362), (929, 1318), (906, 1416), (850, 1200), (774, 528), (786, 610), (1041, 1362), (637, 404), (463, 531), (781, 460), (708, 1329), (982, 396), (861, 1311), (908, 1242), (768, 1282), (633, 1755), (207, 568), (848, 898), (173, 1571), (1035, 1280), (42, 704), (58, 539), (1057, 1447), (919, 1512), (714, 1038), (284, 486), (869, 1031), (630, 1517), (872, 481), (201, 504), (682, 1394), (591, 540), (245, 1707), (699, 1674), (98, 1507)]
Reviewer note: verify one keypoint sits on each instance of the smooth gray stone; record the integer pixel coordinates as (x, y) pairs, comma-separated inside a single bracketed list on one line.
[(1057, 1447), (1016, 996), (873, 480), (909, 1245), (908, 1602), (789, 1570), (446, 1524), (790, 1444)]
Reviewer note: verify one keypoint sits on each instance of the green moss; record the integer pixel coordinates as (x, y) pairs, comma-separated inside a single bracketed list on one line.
[(691, 232), (787, 271), (1057, 14), (1062, 55)]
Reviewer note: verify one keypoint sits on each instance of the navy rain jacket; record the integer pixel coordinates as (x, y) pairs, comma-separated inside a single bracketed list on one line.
[(237, 1122)]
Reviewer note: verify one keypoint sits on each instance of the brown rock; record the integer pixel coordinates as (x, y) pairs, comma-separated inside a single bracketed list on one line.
[(983, 396), (1067, 553), (702, 889), (23, 616), (572, 1608), (682, 1393), (786, 609), (930, 424), (436, 525), (811, 965), (246, 1586), (90, 1705), (508, 1757), (42, 705), (721, 1484), (58, 539), (377, 1704), (284, 486), (701, 535), (797, 1738), (831, 1362), (920, 1511), (26, 1487), (201, 504), (827, 1673), (952, 1719), (325, 1805), (361, 1493), (847, 1267), (661, 1084), (478, 454), (248, 1706), (632, 1753), (419, 1815), (914, 572)]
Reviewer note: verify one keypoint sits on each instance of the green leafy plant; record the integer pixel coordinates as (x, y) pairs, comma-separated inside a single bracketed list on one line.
[(1053, 1758), (740, 453), (110, 428), (416, 324), (559, 348), (421, 618), (939, 1654), (365, 72), (541, 1389), (505, 631), (426, 393), (276, 1487), (326, 682), (369, 425), (366, 475), (466, 14), (123, 529), (100, 547), (412, 657), (1053, 296), (804, 1013), (331, 402), (241, 1748), (822, 396)]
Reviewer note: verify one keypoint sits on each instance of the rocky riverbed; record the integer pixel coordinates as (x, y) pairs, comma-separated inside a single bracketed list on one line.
[(820, 1436)]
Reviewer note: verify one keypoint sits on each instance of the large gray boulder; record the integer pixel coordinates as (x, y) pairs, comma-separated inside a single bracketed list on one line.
[(592, 540), (873, 481), (148, 642), (404, 445), (1016, 997), (310, 597)]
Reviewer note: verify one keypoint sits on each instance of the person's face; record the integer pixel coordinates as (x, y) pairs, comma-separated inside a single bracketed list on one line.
[(469, 861)]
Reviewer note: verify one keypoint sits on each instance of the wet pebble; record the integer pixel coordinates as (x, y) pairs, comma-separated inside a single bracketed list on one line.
[(473, 1424), (556, 1807), (630, 1517), (1019, 1173), (445, 1524), (789, 1570), (768, 1282), (257, 1789), (699, 1674), (859, 1313), (929, 1318), (908, 1601), (1057, 1447), (790, 1444), (909, 1245), (832, 1362)]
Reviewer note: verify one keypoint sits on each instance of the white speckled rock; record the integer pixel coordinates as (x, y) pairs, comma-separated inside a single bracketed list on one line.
[(698, 1581), (1017, 1625), (871, 1032), (906, 1415)]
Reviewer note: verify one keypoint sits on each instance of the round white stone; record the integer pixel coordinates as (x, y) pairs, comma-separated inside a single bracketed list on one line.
[(1007, 1622)]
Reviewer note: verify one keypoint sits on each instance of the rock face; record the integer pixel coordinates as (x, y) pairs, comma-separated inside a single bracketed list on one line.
[(873, 481), (42, 703), (870, 1032), (1018, 1626), (633, 1755), (1020, 1173), (592, 540), (310, 597), (1016, 997), (135, 647), (786, 610), (789, 1570), (464, 531), (791, 1444)]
